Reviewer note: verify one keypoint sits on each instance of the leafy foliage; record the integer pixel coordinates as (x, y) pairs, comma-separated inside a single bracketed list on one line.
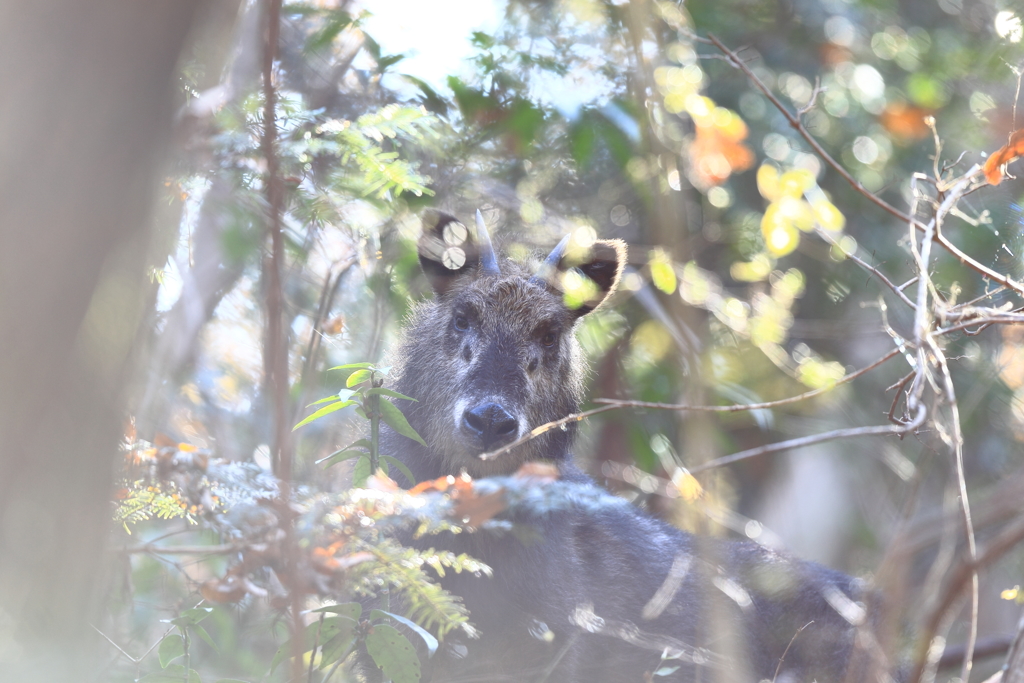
[(140, 501), (749, 286)]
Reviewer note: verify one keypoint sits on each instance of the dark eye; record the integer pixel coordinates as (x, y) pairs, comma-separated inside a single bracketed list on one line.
[(549, 339), (461, 323)]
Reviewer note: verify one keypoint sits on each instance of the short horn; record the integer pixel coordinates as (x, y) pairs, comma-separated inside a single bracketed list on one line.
[(488, 261), (550, 265)]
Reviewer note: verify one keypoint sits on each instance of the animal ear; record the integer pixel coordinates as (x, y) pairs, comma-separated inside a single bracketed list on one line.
[(447, 250), (586, 276)]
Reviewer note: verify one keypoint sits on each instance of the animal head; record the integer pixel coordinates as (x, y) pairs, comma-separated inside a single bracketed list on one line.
[(493, 355)]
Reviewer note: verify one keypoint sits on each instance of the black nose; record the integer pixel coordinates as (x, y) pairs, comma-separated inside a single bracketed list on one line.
[(489, 425)]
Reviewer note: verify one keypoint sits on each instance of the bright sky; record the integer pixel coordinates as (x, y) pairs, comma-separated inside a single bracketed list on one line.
[(433, 35)]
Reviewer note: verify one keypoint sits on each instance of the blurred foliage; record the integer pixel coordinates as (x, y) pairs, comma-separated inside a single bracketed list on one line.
[(606, 118)]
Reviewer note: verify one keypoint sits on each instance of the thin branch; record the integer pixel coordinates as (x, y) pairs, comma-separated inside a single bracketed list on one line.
[(1002, 544), (865, 265), (786, 651), (750, 406), (1013, 669), (999, 319), (896, 430), (152, 549), (896, 399), (116, 646), (798, 126), (614, 404)]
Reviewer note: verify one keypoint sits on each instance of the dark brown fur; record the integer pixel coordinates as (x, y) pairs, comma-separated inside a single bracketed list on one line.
[(490, 358)]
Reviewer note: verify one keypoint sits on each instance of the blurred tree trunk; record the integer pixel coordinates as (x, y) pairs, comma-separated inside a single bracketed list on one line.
[(85, 111)]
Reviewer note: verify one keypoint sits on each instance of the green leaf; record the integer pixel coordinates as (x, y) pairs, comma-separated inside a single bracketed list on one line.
[(175, 673), (357, 377), (431, 100), (327, 410), (171, 647), (394, 654), (666, 671), (396, 420), (430, 640), (340, 456), (191, 617), (361, 472), (337, 22), (352, 610), (343, 395), (381, 391), (201, 632), (352, 366), (316, 634), (336, 648), (581, 141), (401, 467), (384, 62)]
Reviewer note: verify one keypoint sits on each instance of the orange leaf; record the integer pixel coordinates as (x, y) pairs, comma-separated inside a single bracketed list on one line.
[(229, 589), (474, 509), (161, 440), (905, 120), (538, 472), (381, 482), (1004, 155), (354, 559), (439, 484)]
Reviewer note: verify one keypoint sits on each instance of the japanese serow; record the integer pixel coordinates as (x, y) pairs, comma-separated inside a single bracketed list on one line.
[(605, 594)]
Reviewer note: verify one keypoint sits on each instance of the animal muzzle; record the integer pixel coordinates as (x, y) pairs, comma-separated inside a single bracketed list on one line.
[(489, 425)]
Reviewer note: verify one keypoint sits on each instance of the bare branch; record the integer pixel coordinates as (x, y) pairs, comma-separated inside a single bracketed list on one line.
[(797, 125), (897, 430), (865, 265), (1002, 544), (614, 404), (152, 549)]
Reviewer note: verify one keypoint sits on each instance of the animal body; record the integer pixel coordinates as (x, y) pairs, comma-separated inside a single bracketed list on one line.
[(587, 595)]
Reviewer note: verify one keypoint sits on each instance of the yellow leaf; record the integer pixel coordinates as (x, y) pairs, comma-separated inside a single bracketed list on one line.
[(578, 289), (1010, 593), (755, 270), (795, 182), (797, 212), (663, 275), (780, 237), (687, 485), (829, 217), (768, 182)]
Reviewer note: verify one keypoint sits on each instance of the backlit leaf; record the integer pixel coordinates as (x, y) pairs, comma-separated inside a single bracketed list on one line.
[(663, 274), (1004, 155), (326, 410), (357, 377)]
